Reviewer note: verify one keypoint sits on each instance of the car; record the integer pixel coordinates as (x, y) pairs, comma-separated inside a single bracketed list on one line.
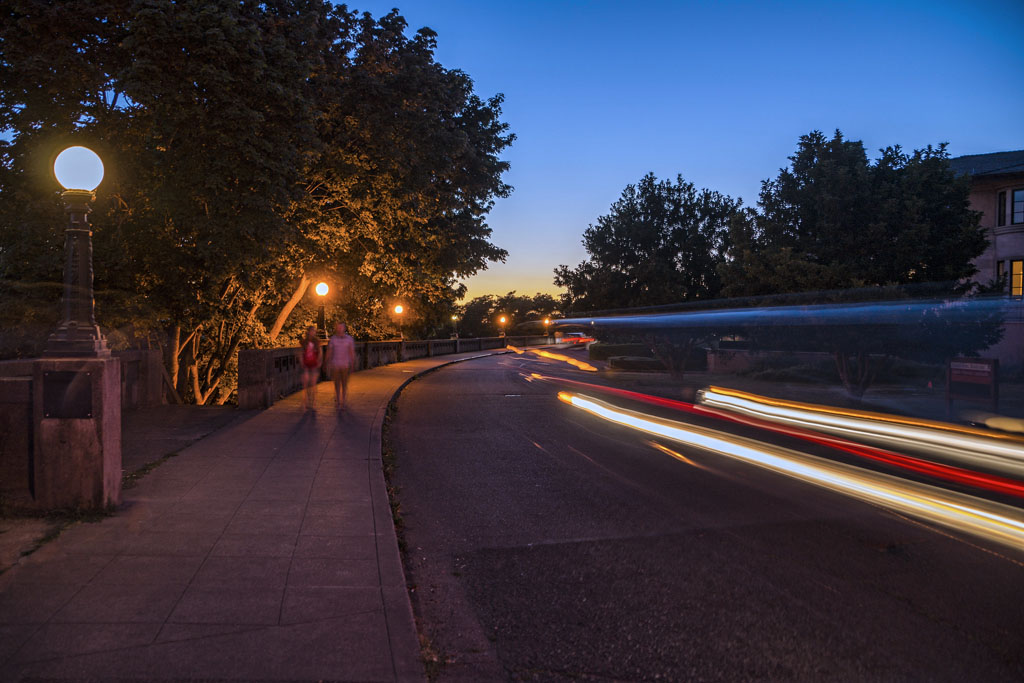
[(576, 338)]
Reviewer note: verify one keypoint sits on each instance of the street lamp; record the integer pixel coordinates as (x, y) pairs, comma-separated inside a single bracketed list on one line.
[(455, 325), (399, 310), (321, 291), (79, 171), (502, 320), (547, 323)]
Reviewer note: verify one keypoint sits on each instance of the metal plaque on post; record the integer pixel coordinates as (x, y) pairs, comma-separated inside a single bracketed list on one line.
[(67, 394)]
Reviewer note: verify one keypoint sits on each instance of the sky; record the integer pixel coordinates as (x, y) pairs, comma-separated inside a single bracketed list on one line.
[(599, 93)]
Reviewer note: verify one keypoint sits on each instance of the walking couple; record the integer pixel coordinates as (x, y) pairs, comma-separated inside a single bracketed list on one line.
[(339, 361)]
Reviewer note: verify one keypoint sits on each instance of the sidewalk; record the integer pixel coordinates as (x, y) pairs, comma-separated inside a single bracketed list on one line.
[(265, 551)]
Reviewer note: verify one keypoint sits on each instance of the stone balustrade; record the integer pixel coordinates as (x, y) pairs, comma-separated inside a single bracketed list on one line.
[(265, 375)]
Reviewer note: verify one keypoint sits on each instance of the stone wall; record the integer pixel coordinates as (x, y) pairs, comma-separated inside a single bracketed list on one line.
[(265, 375)]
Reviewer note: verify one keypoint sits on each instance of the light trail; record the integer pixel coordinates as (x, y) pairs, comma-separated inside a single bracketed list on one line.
[(960, 475), (897, 312), (582, 365), (1002, 452), (995, 522)]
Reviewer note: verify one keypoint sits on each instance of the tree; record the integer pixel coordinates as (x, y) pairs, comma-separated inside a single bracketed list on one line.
[(397, 195), (479, 317), (833, 222), (661, 242), (251, 147)]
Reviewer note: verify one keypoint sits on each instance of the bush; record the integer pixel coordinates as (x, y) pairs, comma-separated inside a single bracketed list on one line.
[(604, 351), (786, 370), (636, 364)]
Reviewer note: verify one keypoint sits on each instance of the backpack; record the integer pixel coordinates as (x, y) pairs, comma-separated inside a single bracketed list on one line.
[(309, 356)]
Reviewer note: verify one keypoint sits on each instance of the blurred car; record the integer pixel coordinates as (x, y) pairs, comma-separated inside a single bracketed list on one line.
[(576, 338)]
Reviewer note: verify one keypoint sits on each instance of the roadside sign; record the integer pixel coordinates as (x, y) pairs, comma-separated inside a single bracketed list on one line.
[(972, 379)]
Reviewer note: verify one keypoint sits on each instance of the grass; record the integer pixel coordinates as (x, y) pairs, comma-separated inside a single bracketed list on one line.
[(60, 521), (432, 659), (131, 479)]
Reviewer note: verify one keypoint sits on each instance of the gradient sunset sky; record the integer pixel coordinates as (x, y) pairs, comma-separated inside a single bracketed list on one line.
[(599, 93)]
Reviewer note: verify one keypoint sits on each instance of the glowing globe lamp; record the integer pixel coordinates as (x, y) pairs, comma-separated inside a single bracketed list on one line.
[(322, 289), (78, 168)]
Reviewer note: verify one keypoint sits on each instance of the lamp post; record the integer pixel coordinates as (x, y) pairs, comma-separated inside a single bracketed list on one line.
[(501, 321), (399, 310), (455, 326), (547, 323), (79, 171), (321, 291), (76, 385)]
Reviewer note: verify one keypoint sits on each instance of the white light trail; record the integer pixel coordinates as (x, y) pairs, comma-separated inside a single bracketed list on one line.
[(999, 452), (995, 522)]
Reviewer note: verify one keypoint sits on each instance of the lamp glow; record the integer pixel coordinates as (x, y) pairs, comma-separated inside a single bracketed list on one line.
[(78, 168), (322, 288), (399, 309)]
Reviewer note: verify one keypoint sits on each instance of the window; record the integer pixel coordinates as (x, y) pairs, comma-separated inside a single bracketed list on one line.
[(1001, 209), (1018, 207), (1016, 278)]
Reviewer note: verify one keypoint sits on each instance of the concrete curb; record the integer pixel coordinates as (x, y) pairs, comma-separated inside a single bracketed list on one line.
[(398, 612)]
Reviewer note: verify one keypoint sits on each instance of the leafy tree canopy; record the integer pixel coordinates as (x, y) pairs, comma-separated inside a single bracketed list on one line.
[(661, 242), (524, 314), (845, 228), (835, 220), (250, 148)]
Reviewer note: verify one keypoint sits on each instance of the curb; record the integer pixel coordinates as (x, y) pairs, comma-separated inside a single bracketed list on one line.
[(398, 613)]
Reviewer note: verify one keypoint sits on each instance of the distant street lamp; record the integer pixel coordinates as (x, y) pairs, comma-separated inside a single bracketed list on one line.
[(399, 310), (321, 291), (547, 323), (79, 170), (455, 325), (501, 321)]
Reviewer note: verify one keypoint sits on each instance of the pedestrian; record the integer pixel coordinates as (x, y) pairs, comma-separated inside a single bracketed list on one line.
[(340, 361), (309, 358)]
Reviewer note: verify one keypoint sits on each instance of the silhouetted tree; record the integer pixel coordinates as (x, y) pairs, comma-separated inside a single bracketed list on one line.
[(833, 221), (661, 242)]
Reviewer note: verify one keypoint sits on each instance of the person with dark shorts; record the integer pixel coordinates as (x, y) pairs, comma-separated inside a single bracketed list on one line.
[(309, 359), (340, 361)]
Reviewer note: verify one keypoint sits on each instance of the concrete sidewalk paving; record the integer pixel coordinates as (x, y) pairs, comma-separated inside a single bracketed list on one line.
[(265, 551)]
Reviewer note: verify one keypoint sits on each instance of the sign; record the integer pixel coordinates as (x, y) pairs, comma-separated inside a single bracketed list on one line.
[(972, 379)]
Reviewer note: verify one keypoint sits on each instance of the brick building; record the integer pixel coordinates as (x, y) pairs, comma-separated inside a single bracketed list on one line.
[(997, 190)]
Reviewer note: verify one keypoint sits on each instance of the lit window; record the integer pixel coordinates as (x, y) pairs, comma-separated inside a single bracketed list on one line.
[(1001, 208), (1018, 207), (1016, 278)]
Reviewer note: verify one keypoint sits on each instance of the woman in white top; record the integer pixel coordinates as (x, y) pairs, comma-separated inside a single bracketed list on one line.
[(340, 360)]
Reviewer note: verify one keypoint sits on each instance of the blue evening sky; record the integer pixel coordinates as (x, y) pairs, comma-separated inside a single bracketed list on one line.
[(599, 93)]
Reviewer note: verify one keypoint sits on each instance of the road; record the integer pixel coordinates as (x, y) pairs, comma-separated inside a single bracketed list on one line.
[(543, 544)]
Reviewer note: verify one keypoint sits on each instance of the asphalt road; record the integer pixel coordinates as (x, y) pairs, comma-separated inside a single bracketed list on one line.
[(544, 544)]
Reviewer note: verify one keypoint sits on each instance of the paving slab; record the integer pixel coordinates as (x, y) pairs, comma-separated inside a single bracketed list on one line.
[(264, 550)]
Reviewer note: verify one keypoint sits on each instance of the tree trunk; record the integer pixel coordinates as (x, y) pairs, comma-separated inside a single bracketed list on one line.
[(173, 350), (857, 376), (217, 365), (185, 366), (282, 316)]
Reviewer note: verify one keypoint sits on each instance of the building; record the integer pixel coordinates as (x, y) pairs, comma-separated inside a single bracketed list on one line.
[(997, 191)]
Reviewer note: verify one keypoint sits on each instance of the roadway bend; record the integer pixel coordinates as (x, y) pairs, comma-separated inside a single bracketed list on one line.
[(543, 544)]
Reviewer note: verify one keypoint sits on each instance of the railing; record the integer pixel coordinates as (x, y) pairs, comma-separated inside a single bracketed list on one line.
[(264, 375)]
